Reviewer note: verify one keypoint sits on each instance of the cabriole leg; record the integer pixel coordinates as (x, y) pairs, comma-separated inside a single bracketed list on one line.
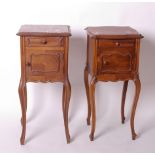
[(125, 86), (136, 97), (87, 93), (23, 100), (66, 100), (93, 111)]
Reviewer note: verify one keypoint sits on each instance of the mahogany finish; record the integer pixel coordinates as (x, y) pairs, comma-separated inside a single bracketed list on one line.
[(112, 55), (44, 58)]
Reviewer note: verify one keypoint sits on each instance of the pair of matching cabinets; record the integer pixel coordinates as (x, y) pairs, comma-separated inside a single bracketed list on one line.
[(112, 55)]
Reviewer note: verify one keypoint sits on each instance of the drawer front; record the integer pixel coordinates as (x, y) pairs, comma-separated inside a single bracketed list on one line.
[(45, 65), (116, 43), (44, 41)]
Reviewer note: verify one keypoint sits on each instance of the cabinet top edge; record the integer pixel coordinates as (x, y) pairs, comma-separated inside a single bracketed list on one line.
[(113, 32), (44, 30)]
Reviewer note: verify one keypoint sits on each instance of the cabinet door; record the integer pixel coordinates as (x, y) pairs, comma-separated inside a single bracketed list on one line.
[(45, 65), (116, 56), (115, 63)]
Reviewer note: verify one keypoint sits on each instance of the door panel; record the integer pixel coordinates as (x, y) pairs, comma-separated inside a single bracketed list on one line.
[(116, 61), (45, 65)]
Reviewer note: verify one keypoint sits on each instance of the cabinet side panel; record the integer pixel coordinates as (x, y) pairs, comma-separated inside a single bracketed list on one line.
[(90, 55), (137, 51)]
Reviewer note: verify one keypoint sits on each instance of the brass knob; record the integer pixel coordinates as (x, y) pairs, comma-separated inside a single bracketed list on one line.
[(44, 42), (104, 62), (29, 64), (117, 44)]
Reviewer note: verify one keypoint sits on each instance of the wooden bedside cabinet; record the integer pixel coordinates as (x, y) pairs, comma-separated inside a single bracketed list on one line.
[(112, 55), (44, 58)]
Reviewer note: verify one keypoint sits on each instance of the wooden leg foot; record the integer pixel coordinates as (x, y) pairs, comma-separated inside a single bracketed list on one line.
[(88, 121), (123, 120), (134, 136), (91, 137), (22, 141), (68, 139)]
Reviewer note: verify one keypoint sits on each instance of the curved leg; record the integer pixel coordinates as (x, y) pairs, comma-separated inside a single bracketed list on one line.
[(87, 93), (25, 90), (25, 97), (66, 100), (63, 100), (137, 92), (23, 100), (92, 101), (125, 86)]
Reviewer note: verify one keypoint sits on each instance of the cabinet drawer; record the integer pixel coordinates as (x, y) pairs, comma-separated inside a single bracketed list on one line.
[(116, 43), (44, 41)]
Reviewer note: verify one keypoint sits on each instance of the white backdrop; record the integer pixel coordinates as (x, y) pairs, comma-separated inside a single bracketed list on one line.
[(45, 131)]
